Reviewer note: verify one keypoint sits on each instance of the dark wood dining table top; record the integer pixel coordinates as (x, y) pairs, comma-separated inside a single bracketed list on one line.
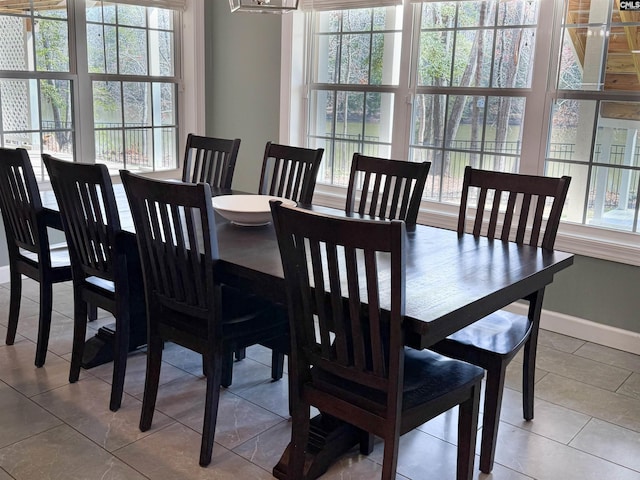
[(451, 280)]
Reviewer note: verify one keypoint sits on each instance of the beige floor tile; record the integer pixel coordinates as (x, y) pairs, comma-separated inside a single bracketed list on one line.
[(545, 459), (136, 371), (273, 396), (84, 405), (422, 456), (596, 402), (631, 387), (611, 442), (172, 453), (5, 476), (513, 378), (238, 420), (559, 341), (610, 356), (28, 308), (266, 448), (582, 369), (551, 421), (62, 453), (21, 418), (248, 373), (182, 358), (18, 370), (60, 336)]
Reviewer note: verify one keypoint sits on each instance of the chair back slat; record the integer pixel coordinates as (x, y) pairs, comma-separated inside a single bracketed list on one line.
[(290, 172), (175, 228), (210, 160), (523, 208), (20, 203), (87, 204), (346, 319), (389, 189)]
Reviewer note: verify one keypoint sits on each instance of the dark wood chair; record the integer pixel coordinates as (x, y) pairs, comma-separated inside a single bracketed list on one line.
[(176, 235), (106, 271), (210, 160), (389, 189), (30, 253), (347, 354), (290, 172), (530, 216)]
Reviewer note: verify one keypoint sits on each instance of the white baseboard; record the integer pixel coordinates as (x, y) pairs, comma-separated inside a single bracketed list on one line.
[(586, 330)]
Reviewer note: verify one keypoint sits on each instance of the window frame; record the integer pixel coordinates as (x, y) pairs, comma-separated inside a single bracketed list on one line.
[(188, 77), (588, 240)]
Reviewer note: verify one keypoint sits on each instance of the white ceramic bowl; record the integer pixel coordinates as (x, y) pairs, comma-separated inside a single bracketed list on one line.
[(247, 210)]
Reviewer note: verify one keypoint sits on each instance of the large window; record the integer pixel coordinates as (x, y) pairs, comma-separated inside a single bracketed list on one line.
[(109, 95), (531, 86)]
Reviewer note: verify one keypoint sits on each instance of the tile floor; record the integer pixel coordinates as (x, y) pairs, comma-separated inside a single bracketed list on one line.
[(587, 424)]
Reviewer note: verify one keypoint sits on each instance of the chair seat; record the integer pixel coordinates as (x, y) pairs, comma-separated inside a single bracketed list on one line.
[(59, 256), (501, 333), (246, 319), (101, 283), (427, 376)]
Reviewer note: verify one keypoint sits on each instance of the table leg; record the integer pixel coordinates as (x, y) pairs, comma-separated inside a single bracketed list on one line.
[(328, 439)]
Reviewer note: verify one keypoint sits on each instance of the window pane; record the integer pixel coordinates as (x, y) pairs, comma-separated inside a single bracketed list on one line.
[(56, 116), (473, 55), (137, 103), (52, 46), (132, 15), (161, 47), (107, 104), (17, 36), (132, 43)]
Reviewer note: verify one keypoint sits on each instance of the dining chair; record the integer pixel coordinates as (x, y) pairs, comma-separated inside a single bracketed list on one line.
[(106, 270), (389, 189), (211, 160), (30, 252), (525, 209), (345, 281), (186, 304), (290, 172)]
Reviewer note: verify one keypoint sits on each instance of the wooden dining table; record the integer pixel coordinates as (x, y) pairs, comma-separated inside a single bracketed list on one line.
[(452, 280)]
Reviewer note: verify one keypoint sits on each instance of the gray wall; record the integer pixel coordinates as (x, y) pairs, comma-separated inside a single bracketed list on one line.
[(243, 84), (243, 54)]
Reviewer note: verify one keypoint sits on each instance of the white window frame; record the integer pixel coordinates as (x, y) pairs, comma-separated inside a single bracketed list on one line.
[(190, 55), (612, 245)]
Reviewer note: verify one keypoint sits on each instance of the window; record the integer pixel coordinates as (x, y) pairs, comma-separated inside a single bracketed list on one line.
[(110, 95), (492, 84)]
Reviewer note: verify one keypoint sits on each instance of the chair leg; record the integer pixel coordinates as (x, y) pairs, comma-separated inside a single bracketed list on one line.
[(14, 305), (240, 353), (151, 381), (93, 313), (120, 352), (366, 442), (528, 379), (301, 419), (44, 327), (214, 369), (494, 388), (390, 458), (227, 369), (79, 336), (467, 433), (277, 365)]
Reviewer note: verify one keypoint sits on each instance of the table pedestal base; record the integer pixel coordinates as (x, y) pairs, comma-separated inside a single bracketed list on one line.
[(99, 348), (328, 439)]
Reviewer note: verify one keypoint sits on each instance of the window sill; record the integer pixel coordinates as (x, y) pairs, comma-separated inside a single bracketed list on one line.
[(595, 242)]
